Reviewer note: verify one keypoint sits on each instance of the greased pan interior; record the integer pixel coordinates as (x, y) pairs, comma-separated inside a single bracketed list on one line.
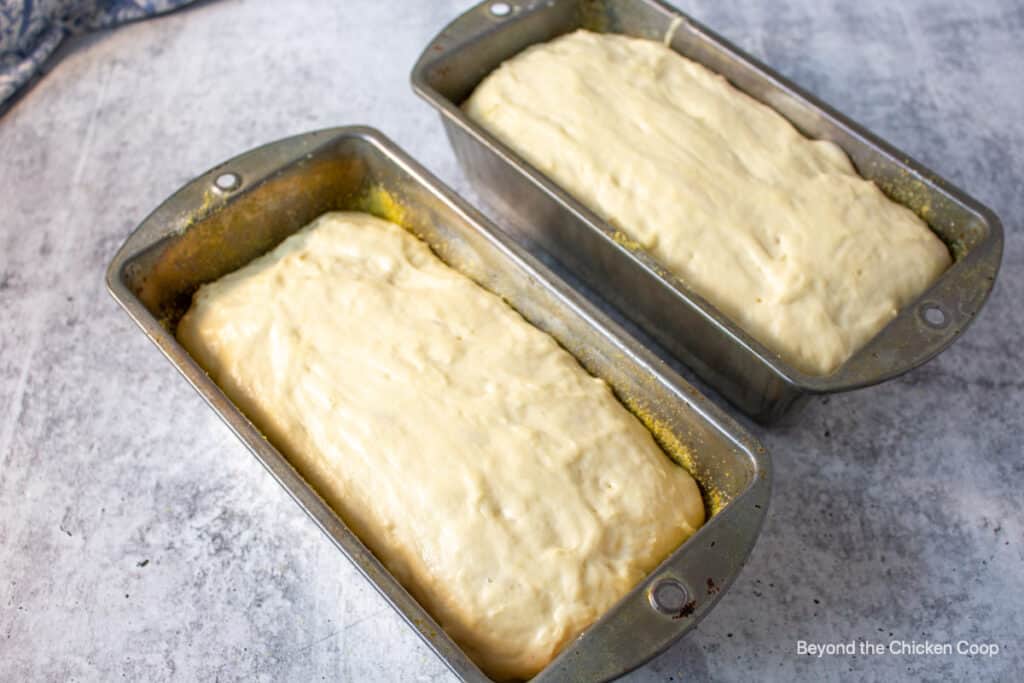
[(756, 379), (244, 207)]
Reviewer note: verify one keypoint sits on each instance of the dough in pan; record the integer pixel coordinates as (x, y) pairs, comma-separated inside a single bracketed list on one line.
[(505, 487), (776, 231)]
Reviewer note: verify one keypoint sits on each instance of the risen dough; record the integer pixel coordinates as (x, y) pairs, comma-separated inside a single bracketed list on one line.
[(506, 488), (776, 231)]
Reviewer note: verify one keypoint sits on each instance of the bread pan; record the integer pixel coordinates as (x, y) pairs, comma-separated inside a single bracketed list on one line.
[(246, 206), (754, 378)]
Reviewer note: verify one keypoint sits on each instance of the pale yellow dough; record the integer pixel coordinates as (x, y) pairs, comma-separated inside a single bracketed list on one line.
[(505, 487), (776, 231)]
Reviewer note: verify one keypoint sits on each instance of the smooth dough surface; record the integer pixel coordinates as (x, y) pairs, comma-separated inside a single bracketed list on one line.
[(504, 486), (777, 231)]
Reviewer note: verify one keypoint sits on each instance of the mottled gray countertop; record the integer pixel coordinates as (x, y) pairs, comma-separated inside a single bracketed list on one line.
[(140, 540)]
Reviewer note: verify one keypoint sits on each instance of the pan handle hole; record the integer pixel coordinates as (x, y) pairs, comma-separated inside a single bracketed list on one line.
[(228, 182), (500, 9), (934, 316), (668, 596)]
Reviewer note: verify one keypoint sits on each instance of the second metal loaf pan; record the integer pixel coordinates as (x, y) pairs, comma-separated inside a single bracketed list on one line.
[(757, 380)]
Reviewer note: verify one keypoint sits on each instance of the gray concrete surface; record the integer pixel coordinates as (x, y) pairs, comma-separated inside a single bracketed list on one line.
[(140, 541)]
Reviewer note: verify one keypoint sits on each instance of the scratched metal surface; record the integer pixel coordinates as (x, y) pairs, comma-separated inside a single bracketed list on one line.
[(139, 539)]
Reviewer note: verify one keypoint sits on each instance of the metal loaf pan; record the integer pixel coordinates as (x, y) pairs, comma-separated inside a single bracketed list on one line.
[(754, 378), (244, 207)]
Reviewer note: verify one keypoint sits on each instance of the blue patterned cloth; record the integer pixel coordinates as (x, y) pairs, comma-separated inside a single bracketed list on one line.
[(30, 30)]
